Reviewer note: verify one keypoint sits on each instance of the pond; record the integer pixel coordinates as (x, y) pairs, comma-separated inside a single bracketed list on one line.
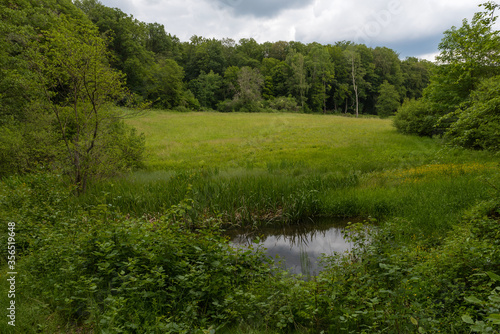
[(298, 246)]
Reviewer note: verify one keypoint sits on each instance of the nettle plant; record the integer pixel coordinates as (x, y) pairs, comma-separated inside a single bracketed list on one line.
[(491, 307)]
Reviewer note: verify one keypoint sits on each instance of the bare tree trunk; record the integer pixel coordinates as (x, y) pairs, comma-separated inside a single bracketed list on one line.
[(324, 97), (354, 86)]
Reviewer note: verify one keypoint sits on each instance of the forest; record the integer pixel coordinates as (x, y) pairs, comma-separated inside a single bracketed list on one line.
[(126, 155)]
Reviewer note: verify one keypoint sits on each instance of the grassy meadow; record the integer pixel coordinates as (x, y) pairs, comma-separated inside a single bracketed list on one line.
[(283, 168), (143, 252)]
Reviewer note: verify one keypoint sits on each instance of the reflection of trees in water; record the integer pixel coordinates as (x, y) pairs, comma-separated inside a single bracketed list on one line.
[(299, 246), (294, 235), (305, 264)]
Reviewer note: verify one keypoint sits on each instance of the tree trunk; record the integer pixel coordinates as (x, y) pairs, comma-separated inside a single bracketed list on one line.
[(355, 87), (324, 97)]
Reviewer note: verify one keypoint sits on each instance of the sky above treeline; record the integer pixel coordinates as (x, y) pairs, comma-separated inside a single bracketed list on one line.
[(410, 27)]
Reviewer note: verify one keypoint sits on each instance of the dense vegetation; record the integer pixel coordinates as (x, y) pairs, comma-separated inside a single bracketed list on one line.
[(143, 252), (157, 69), (461, 100), (121, 232)]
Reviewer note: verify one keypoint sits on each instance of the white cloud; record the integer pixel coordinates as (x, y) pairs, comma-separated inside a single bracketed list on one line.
[(429, 56)]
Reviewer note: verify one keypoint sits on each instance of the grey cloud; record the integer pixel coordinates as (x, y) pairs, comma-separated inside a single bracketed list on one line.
[(262, 8), (125, 6), (416, 47)]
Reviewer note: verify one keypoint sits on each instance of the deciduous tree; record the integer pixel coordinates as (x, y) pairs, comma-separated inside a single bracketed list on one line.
[(79, 88)]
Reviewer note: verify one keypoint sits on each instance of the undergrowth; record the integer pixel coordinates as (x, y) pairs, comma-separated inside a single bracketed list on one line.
[(93, 269)]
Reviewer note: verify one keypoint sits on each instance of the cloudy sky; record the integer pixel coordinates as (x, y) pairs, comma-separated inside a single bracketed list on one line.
[(410, 27)]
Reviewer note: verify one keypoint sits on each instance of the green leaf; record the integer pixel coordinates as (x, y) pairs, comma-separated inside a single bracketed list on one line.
[(493, 276), (414, 321), (466, 318), (494, 298), (473, 300), (494, 318)]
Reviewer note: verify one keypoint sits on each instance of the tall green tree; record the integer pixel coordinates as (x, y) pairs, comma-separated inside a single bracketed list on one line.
[(297, 79), (388, 68), (276, 73), (249, 53), (27, 139), (468, 55), (128, 43), (416, 76), (388, 100), (321, 74), (342, 78), (477, 124), (79, 88), (165, 86), (249, 95), (203, 55), (163, 45), (207, 88)]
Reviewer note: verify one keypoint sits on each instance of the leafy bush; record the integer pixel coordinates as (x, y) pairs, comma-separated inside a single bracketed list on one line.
[(286, 104), (478, 125), (416, 117), (388, 100), (164, 274), (404, 284), (238, 105)]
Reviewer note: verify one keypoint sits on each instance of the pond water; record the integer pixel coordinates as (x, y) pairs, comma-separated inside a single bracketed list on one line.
[(299, 246)]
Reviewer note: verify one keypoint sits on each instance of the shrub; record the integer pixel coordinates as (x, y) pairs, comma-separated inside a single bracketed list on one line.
[(477, 126), (416, 117), (147, 274), (286, 104)]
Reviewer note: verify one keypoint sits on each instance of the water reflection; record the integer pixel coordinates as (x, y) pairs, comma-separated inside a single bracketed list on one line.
[(299, 247)]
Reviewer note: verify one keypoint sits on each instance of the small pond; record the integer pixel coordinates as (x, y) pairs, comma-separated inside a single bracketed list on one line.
[(298, 246)]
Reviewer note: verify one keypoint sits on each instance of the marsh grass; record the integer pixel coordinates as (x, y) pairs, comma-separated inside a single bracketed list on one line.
[(282, 168)]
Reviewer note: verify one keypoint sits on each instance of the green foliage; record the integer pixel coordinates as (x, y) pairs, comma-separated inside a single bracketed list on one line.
[(146, 53), (169, 272), (388, 100), (458, 100), (416, 117), (298, 80), (388, 68), (321, 74), (165, 86), (285, 104), (79, 89), (207, 88), (477, 125), (416, 76), (401, 285), (471, 51), (248, 88), (203, 55), (492, 305), (144, 253)]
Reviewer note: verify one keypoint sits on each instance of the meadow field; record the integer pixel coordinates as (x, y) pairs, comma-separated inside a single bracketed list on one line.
[(283, 168), (143, 252)]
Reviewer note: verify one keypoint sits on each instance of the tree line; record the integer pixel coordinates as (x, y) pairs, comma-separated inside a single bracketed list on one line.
[(226, 75)]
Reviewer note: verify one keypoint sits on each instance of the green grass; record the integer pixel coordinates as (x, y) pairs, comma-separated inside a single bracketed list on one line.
[(143, 252), (183, 141), (269, 168)]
